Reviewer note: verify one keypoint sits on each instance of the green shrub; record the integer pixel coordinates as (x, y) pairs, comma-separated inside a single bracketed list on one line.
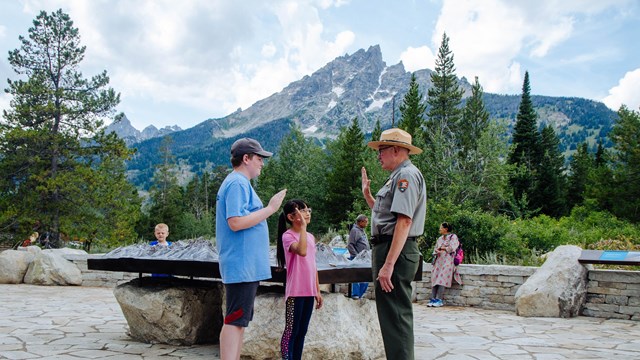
[(588, 227), (480, 231), (542, 232)]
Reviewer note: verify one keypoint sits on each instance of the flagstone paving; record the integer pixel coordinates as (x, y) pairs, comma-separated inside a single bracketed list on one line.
[(51, 322)]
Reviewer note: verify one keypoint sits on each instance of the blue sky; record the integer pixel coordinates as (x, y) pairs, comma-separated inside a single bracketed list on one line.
[(182, 62)]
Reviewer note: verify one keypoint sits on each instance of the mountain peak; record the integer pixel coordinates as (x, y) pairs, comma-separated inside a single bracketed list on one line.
[(123, 128), (347, 87)]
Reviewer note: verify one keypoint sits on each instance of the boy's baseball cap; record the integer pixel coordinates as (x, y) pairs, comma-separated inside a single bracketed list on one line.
[(248, 146)]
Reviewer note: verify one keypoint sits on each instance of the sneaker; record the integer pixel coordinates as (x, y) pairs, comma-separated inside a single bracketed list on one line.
[(437, 303), (431, 302)]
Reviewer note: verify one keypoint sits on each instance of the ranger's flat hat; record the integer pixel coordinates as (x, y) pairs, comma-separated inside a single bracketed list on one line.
[(248, 146), (395, 137)]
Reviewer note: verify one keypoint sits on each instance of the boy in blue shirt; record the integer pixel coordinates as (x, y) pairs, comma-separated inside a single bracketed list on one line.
[(161, 232), (242, 239)]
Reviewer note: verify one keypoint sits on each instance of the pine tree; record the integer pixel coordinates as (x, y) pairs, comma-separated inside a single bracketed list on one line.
[(600, 154), (377, 131), (475, 119), (197, 219), (54, 155), (412, 109), (438, 162), (344, 176), (444, 97), (626, 165), (375, 173), (550, 194), (166, 195), (482, 181), (525, 150), (581, 166), (299, 166), (601, 185)]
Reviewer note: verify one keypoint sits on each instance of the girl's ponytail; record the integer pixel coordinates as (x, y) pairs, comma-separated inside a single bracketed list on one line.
[(282, 227)]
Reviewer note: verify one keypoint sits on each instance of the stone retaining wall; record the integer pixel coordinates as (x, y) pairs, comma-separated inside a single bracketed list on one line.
[(485, 286), (611, 294)]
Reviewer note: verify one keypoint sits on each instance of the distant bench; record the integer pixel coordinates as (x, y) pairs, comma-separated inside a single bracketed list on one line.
[(610, 257)]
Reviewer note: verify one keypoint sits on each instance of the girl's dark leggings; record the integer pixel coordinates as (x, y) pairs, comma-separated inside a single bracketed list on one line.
[(298, 314)]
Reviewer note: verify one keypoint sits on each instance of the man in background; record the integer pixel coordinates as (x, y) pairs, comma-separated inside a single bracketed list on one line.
[(358, 242)]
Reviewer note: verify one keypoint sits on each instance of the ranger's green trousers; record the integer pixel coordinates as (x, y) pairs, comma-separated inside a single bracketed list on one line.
[(395, 310)]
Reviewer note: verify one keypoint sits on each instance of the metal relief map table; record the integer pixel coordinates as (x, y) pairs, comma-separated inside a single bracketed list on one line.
[(610, 257)]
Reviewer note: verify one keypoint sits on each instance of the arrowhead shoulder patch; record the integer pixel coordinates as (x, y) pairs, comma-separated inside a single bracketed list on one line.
[(403, 185)]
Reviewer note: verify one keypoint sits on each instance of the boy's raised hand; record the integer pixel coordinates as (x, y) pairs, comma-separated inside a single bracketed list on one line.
[(276, 200)]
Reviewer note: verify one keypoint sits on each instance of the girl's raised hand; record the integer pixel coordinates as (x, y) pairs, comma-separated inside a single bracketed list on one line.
[(300, 220)]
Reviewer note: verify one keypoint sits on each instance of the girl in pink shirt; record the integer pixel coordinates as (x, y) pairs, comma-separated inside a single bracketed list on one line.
[(297, 252)]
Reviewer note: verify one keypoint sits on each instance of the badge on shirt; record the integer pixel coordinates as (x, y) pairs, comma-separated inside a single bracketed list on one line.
[(403, 184)]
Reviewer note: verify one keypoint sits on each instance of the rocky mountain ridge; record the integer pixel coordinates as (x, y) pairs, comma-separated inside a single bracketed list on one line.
[(359, 85), (131, 135)]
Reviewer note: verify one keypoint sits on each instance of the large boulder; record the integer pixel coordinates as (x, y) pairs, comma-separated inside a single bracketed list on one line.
[(172, 310), (341, 329), (14, 265), (49, 268), (30, 249), (557, 289)]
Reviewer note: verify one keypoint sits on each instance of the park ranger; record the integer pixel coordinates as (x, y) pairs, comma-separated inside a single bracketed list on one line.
[(397, 219)]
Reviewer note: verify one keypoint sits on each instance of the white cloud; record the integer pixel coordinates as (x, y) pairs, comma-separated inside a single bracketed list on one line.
[(206, 58), (418, 58), (269, 50), (473, 28), (324, 4), (553, 36), (489, 37), (212, 55), (304, 50), (626, 92)]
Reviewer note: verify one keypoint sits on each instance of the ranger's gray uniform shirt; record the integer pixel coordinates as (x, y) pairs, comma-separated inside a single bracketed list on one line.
[(404, 193)]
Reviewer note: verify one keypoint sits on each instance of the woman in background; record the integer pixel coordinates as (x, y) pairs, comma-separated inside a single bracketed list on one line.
[(444, 271)]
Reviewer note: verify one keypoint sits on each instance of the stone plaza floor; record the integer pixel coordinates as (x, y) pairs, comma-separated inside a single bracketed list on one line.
[(50, 322)]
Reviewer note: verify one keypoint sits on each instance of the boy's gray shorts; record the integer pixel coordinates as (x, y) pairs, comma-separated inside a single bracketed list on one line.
[(239, 303)]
